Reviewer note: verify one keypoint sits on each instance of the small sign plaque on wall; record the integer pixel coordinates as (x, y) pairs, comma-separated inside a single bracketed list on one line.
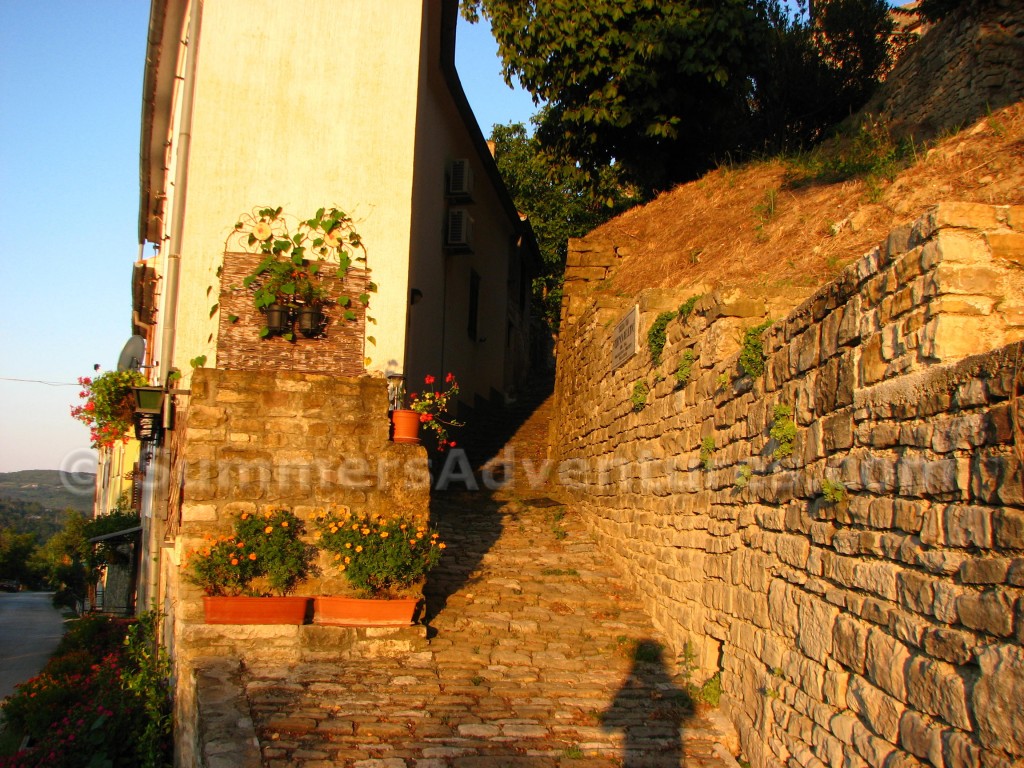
[(624, 339)]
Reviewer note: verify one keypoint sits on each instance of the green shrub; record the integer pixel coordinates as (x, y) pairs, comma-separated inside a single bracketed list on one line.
[(686, 308), (685, 369), (639, 396), (743, 478), (834, 492), (380, 554), (783, 431), (707, 450), (93, 706), (656, 335), (752, 351)]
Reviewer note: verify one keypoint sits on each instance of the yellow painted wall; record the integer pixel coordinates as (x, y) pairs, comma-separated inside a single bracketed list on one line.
[(113, 475), (302, 104)]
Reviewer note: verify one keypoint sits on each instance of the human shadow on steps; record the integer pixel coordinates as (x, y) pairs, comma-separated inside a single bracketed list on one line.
[(650, 710)]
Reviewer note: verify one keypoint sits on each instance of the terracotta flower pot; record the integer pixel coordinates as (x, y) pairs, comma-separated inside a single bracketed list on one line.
[(360, 612), (405, 426), (256, 610)]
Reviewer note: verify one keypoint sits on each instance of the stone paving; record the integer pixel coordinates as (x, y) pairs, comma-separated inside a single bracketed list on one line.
[(536, 655)]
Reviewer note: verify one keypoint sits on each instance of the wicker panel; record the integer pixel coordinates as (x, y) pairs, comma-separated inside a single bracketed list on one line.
[(338, 351)]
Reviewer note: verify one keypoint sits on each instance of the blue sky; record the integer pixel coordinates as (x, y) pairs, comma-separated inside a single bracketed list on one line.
[(70, 89)]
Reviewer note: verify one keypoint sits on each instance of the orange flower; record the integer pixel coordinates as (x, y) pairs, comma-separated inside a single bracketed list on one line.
[(269, 529), (252, 555), (234, 561), (384, 534), (284, 523), (359, 548)]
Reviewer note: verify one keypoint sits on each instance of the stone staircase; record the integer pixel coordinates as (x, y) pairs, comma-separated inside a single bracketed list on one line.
[(536, 654)]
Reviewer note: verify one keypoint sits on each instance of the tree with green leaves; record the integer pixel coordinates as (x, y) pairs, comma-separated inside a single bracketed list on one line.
[(662, 90), (557, 204), (654, 86), (15, 553), (72, 564)]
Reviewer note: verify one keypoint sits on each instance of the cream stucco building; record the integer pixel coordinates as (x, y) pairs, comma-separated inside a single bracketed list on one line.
[(305, 104)]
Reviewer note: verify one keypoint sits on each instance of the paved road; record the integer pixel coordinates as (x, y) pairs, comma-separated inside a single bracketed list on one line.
[(30, 628)]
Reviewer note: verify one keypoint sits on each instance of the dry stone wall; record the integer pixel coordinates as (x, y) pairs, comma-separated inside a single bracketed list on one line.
[(861, 595), (970, 63)]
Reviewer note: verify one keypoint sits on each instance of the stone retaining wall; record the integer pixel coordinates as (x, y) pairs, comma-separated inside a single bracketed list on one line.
[(863, 597), (970, 63), (260, 440)]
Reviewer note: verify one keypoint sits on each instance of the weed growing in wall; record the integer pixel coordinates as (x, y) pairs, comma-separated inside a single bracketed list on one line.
[(783, 431), (722, 381), (686, 308), (639, 397), (752, 351), (656, 336), (744, 475), (685, 369), (707, 450), (834, 492)]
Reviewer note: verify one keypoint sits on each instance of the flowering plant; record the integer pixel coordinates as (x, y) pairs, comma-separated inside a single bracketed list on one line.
[(266, 554), (433, 405), (109, 406), (379, 554), (285, 275)]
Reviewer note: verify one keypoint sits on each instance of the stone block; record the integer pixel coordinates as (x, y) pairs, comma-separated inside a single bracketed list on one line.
[(871, 365), (948, 644), (196, 513), (997, 698), (1015, 217), (879, 578), (879, 711), (936, 688), (990, 611), (922, 737), (1008, 528), (915, 591), (884, 662), (849, 642), (990, 570), (964, 215), (967, 526), (1007, 247), (816, 618)]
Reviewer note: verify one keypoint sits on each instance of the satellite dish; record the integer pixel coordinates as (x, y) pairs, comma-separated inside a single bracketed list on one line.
[(132, 355)]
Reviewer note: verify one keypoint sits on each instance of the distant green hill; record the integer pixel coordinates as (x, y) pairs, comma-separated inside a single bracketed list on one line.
[(51, 489)]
